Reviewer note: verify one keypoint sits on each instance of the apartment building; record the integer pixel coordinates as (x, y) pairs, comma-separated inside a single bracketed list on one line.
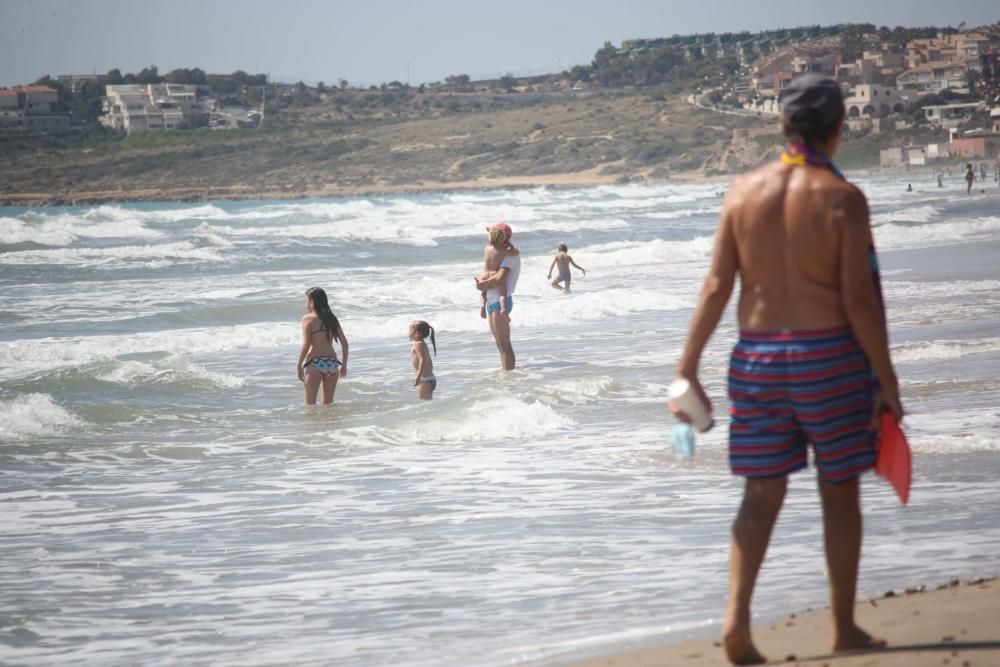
[(31, 109), (145, 107), (772, 74), (934, 76)]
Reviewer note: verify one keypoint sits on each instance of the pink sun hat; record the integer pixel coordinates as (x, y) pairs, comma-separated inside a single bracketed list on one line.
[(504, 227)]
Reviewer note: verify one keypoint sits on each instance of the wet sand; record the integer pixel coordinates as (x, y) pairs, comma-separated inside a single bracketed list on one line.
[(957, 625)]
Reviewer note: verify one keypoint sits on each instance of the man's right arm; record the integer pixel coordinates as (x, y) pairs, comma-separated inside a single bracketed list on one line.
[(494, 280), (859, 297)]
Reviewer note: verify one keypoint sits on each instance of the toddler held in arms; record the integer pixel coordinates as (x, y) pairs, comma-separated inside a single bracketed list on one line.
[(500, 239)]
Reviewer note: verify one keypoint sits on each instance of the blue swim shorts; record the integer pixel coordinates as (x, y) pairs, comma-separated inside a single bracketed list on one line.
[(790, 388), (495, 307)]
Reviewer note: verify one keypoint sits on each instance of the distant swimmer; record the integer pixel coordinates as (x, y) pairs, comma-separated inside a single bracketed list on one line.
[(909, 187), (970, 177), (420, 357), (318, 363), (493, 256), (940, 181), (812, 346), (563, 262)]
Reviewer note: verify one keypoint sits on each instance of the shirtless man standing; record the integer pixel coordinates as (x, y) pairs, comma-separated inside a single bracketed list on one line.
[(812, 346)]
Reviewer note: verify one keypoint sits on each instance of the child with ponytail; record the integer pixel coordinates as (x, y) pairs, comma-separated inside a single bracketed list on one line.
[(420, 356)]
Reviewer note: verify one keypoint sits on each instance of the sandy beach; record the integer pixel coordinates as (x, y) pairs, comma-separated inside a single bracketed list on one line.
[(952, 625)]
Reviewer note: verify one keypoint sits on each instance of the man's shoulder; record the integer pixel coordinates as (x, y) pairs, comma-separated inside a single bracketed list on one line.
[(511, 261)]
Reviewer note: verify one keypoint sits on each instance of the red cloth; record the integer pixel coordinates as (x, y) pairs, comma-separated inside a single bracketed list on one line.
[(893, 462)]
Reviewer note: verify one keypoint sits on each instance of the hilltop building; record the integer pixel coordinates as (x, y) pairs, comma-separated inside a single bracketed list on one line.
[(952, 115), (935, 76), (31, 109), (154, 106), (874, 100), (772, 74), (874, 67)]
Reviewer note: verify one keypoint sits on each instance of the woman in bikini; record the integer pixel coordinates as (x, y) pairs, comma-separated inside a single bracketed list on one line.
[(318, 362)]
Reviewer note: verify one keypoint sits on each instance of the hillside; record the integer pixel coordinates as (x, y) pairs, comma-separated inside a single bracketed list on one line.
[(439, 141)]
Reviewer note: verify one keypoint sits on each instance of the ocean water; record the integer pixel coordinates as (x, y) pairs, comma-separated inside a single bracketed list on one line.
[(166, 499)]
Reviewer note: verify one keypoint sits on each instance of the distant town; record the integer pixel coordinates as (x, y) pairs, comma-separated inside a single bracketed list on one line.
[(680, 106)]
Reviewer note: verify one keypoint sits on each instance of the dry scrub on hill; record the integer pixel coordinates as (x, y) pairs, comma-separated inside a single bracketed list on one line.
[(623, 135)]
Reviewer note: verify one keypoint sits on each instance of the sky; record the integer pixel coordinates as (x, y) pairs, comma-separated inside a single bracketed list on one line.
[(375, 41)]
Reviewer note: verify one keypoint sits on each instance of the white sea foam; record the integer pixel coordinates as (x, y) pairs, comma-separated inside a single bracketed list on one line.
[(579, 391), (892, 236), (404, 222), (151, 256), (626, 257), (909, 290), (32, 416), (520, 420), (172, 370), (22, 358), (63, 230), (942, 350), (953, 431), (913, 214)]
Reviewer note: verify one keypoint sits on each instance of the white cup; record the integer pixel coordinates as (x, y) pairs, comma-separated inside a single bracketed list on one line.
[(688, 402)]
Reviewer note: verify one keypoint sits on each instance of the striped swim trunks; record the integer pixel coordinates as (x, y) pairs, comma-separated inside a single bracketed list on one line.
[(790, 388)]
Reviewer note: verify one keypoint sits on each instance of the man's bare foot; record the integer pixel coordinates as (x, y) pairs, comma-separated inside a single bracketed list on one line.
[(856, 639), (740, 649)]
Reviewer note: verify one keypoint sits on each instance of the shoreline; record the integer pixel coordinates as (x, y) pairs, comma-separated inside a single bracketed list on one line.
[(250, 193), (952, 624)]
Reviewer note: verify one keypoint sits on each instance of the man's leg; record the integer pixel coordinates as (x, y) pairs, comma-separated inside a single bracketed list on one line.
[(762, 499), (842, 535), (500, 324)]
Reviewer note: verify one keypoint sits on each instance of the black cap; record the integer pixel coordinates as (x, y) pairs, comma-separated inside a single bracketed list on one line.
[(812, 101)]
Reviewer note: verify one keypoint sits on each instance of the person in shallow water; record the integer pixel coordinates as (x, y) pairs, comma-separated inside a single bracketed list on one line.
[(420, 357), (493, 256), (812, 336), (318, 364), (562, 261), (508, 273)]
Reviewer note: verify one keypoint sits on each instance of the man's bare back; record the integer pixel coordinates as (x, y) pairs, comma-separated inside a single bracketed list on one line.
[(787, 226)]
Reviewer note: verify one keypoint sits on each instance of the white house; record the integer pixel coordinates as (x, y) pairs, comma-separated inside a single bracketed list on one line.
[(144, 107), (873, 100), (951, 115)]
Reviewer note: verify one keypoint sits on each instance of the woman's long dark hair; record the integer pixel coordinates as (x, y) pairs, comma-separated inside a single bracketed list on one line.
[(426, 330), (322, 308)]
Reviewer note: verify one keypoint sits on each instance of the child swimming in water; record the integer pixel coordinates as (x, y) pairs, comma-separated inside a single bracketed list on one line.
[(420, 357), (318, 363)]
